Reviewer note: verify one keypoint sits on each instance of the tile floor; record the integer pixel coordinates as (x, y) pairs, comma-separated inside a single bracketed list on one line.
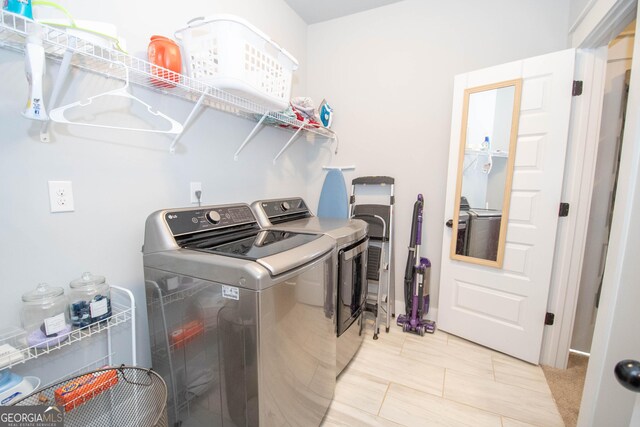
[(439, 380)]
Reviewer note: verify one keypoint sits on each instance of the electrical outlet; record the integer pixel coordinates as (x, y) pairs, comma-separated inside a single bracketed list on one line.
[(195, 186), (60, 196)]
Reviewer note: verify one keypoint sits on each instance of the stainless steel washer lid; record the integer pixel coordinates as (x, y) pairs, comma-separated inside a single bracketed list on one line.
[(485, 213), (272, 214), (219, 233), (343, 231), (255, 275), (277, 251)]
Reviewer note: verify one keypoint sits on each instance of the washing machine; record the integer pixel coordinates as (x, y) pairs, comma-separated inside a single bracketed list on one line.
[(483, 233), (240, 318), (293, 214)]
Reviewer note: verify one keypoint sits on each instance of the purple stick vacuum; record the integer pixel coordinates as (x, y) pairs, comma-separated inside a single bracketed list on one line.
[(416, 296)]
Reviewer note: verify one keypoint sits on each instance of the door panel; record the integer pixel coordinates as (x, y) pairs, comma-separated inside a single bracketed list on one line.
[(505, 308)]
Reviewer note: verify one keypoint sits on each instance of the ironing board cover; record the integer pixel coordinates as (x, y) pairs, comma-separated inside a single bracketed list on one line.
[(334, 201)]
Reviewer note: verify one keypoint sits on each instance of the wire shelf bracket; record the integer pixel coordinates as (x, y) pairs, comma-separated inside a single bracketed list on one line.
[(172, 148), (289, 142), (251, 134), (57, 87)]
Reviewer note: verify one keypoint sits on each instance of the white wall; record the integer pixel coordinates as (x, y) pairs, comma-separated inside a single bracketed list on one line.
[(389, 72), (577, 8), (120, 177)]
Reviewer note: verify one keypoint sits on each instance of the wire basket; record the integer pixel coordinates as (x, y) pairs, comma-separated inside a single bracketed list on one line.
[(118, 397), (231, 54)]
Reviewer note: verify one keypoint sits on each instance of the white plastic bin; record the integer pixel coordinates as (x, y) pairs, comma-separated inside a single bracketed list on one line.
[(229, 53)]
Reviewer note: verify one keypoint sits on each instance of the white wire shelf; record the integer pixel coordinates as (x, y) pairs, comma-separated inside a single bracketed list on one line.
[(114, 64), (95, 365), (16, 337), (181, 294), (494, 153)]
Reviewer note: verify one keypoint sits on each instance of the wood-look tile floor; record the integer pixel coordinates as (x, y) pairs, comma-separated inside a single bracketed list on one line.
[(439, 380)]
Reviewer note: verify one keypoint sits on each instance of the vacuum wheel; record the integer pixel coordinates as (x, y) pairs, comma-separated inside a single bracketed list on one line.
[(420, 330), (406, 327)]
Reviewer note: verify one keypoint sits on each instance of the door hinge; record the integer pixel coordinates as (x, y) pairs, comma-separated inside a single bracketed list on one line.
[(564, 209), (577, 88), (549, 318)]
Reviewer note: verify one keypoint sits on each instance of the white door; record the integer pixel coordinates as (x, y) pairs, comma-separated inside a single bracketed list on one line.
[(505, 308), (635, 415)]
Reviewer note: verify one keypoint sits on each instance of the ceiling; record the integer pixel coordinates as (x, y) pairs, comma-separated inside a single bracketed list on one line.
[(318, 11)]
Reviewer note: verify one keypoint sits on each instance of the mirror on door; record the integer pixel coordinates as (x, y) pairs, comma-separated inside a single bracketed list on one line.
[(485, 169)]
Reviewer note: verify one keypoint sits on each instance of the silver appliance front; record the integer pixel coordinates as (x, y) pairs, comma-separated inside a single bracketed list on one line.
[(483, 233), (292, 214), (237, 345), (352, 295)]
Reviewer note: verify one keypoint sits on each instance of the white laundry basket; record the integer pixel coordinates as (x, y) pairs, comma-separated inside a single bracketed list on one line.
[(229, 53)]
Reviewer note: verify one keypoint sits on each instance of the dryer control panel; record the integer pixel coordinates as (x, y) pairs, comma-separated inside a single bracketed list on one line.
[(188, 221), (293, 208)]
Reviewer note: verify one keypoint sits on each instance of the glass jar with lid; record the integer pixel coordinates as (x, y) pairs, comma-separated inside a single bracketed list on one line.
[(44, 316), (89, 300)]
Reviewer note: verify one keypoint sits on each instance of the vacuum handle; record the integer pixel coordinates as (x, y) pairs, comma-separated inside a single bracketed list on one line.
[(420, 204)]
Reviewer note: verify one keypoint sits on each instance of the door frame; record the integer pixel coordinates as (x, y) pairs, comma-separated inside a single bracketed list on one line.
[(595, 28), (593, 31), (604, 401), (582, 150)]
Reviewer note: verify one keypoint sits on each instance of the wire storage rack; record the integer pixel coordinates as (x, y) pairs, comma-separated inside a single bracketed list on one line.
[(113, 63), (118, 397), (13, 339)]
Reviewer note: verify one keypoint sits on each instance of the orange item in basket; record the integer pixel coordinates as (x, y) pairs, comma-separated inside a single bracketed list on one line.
[(76, 392)]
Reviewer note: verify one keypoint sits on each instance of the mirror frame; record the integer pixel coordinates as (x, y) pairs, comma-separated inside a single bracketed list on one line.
[(515, 118)]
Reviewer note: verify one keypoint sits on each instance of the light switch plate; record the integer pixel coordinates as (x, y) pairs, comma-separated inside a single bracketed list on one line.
[(61, 196)]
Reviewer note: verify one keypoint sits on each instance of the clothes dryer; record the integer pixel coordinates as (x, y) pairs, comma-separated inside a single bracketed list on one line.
[(294, 215)]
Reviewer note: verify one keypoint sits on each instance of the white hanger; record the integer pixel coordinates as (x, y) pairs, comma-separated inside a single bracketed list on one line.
[(57, 115)]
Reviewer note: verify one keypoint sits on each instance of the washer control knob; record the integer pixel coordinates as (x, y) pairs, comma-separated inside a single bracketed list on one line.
[(213, 217), (285, 206)]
